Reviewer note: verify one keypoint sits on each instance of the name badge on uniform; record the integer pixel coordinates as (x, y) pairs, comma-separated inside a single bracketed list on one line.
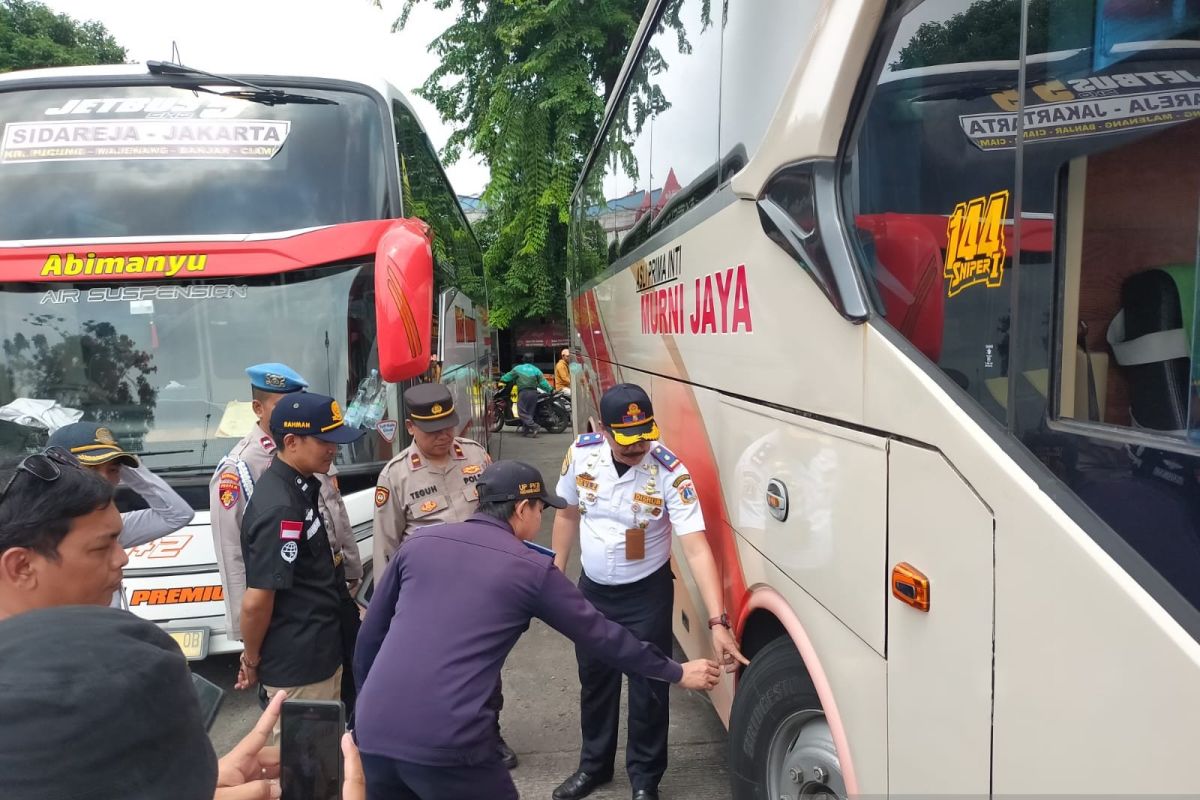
[(635, 544), (646, 499), (589, 485)]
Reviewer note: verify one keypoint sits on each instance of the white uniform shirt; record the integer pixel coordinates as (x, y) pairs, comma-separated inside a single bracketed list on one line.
[(660, 488), (168, 512)]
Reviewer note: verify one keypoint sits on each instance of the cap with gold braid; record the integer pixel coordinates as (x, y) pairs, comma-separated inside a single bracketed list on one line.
[(307, 414), (430, 406), (626, 411), (92, 443)]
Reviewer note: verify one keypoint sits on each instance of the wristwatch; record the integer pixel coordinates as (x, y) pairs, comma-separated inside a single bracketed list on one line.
[(721, 620), (248, 663)]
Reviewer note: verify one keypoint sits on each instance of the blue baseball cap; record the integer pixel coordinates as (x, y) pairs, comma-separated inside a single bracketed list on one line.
[(318, 415), (276, 378)]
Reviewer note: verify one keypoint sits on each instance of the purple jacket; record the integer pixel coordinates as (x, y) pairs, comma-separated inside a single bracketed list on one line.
[(445, 614)]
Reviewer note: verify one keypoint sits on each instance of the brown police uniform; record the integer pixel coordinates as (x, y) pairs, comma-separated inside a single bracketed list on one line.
[(412, 493)]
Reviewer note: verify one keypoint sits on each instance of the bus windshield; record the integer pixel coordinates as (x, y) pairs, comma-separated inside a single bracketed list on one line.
[(124, 161), (162, 365)]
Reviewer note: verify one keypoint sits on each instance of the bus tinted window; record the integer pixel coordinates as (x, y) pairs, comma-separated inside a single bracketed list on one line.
[(428, 195), (1076, 325), (1109, 144), (762, 41), (683, 136), (915, 182), (163, 161)]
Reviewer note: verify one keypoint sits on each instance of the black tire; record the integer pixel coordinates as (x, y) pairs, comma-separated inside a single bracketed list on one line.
[(555, 421), (774, 688), (496, 417)]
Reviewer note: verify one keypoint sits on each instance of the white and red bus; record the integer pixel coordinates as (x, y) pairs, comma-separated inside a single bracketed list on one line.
[(161, 229), (913, 289)]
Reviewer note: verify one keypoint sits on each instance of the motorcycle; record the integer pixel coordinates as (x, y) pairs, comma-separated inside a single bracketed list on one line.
[(553, 412)]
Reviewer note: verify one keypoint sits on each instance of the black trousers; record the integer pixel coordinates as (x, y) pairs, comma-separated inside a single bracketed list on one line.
[(350, 625), (526, 406), (388, 779), (644, 608)]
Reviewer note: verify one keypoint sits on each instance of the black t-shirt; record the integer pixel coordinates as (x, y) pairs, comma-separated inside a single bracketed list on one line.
[(286, 549)]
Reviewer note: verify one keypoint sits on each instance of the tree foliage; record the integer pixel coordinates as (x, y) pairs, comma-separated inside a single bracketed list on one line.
[(524, 83), (31, 36), (95, 369), (990, 30)]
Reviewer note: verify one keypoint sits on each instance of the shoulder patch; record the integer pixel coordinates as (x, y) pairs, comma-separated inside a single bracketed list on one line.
[(229, 488), (382, 493), (566, 465), (589, 440), (665, 457)]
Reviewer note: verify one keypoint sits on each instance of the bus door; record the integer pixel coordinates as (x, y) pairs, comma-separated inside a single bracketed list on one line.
[(940, 616)]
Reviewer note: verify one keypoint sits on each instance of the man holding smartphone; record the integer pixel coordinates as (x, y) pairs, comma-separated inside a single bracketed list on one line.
[(291, 624)]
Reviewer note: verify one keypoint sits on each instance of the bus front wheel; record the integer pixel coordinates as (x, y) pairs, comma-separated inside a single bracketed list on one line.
[(780, 745)]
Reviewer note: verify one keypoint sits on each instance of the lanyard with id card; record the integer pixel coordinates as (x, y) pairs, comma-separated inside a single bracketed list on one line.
[(635, 537)]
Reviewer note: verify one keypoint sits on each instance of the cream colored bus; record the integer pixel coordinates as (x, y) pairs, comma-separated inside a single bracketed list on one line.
[(913, 287)]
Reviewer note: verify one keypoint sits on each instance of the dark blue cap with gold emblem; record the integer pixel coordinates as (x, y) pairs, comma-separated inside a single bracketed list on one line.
[(92, 443), (626, 411), (317, 415), (275, 378), (430, 406)]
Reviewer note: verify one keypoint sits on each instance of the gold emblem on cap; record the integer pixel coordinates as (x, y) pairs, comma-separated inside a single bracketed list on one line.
[(437, 408), (633, 410), (335, 411), (104, 436)]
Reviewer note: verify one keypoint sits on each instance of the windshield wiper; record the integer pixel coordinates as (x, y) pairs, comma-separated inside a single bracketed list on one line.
[(252, 92)]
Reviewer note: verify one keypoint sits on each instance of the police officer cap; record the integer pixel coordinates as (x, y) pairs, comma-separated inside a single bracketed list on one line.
[(626, 411), (317, 415), (92, 443), (515, 480), (276, 378), (430, 406)]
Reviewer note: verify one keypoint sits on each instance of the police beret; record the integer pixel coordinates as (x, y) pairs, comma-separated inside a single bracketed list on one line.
[(276, 378)]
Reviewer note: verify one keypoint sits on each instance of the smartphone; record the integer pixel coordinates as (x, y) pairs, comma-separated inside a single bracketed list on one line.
[(310, 749), (210, 696)]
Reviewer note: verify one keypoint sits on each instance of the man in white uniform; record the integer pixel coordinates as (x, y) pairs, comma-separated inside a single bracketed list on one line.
[(627, 496)]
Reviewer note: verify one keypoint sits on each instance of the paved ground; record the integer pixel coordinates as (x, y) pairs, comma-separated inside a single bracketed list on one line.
[(540, 719)]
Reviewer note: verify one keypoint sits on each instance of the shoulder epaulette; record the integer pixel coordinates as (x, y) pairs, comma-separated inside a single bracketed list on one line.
[(589, 440), (537, 548), (665, 457)]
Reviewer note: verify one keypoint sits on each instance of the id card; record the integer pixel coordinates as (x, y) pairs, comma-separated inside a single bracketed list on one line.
[(635, 544)]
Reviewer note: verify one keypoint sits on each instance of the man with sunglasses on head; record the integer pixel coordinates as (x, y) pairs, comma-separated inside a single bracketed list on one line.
[(447, 611), (60, 535), (97, 449)]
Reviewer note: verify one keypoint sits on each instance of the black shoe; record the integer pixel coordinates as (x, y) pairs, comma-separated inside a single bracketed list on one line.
[(580, 785), (645, 794), (506, 754)]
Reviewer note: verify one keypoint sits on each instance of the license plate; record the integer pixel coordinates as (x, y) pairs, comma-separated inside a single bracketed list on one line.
[(193, 643)]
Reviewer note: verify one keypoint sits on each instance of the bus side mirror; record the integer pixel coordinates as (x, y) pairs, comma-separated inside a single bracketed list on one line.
[(404, 300)]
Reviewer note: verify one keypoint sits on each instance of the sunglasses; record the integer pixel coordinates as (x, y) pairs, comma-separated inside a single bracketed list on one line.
[(45, 466)]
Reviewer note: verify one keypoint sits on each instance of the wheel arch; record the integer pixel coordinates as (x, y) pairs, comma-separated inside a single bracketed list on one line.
[(766, 617)]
